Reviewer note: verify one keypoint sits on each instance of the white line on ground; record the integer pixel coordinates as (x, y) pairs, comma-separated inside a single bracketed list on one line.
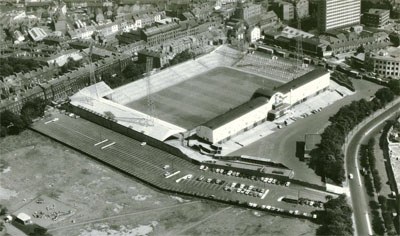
[(357, 168), (108, 145), (265, 194), (105, 140), (169, 176), (368, 224)]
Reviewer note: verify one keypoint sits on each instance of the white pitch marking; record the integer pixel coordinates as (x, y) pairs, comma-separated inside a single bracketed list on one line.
[(105, 140)]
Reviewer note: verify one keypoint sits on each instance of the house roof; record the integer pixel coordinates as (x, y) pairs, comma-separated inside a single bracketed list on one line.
[(302, 80), (235, 113)]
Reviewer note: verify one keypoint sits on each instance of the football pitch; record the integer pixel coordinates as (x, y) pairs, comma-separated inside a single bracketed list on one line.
[(204, 96)]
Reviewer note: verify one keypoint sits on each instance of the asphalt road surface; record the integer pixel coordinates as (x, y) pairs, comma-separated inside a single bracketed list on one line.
[(359, 198)]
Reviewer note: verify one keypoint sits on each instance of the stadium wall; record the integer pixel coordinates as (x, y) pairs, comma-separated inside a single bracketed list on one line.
[(236, 126), (110, 124), (296, 95)]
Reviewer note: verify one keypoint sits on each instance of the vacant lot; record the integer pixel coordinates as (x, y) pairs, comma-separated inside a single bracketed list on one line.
[(106, 202), (204, 97)]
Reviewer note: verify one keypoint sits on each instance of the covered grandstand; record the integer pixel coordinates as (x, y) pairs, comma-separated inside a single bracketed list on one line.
[(264, 104), (92, 99)]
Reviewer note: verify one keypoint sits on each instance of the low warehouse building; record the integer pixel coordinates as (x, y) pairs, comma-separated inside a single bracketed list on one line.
[(263, 104)]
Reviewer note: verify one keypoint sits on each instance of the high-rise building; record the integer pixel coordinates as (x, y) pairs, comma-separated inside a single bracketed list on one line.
[(334, 14)]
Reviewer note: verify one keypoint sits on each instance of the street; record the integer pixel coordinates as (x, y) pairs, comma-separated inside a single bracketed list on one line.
[(359, 198)]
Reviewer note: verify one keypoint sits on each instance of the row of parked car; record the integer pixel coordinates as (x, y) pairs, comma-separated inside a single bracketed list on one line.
[(210, 180), (277, 209), (269, 180), (304, 201), (247, 190)]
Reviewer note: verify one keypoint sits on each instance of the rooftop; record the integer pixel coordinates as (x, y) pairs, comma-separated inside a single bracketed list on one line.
[(390, 52), (302, 80), (378, 11), (235, 113)]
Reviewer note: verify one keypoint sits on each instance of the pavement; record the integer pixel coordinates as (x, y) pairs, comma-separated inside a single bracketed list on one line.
[(359, 198)]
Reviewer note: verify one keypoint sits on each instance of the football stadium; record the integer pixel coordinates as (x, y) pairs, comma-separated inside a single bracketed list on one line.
[(207, 98)]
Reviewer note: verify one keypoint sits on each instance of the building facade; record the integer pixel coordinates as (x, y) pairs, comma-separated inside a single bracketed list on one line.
[(335, 14), (376, 18), (385, 63)]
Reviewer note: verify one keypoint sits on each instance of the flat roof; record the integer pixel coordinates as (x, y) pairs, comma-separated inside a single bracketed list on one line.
[(302, 80), (235, 113)]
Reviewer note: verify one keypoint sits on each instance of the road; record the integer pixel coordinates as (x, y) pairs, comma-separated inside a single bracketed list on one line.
[(359, 198)]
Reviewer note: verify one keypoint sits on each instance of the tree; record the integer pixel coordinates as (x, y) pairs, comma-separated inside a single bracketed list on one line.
[(12, 122), (394, 85), (32, 109), (360, 49), (181, 57), (336, 217), (385, 95)]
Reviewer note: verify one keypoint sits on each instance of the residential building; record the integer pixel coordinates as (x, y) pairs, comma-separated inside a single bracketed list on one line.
[(344, 41), (336, 14), (82, 33), (245, 11), (255, 34), (37, 34), (160, 59), (284, 10), (301, 8), (62, 57), (375, 18)]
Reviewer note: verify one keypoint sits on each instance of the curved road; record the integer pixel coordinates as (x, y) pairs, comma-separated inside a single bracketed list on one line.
[(358, 195)]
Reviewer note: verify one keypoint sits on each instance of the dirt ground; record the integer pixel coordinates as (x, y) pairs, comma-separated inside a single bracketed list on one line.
[(106, 202)]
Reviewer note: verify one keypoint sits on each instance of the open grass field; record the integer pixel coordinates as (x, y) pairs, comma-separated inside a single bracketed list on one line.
[(204, 97)]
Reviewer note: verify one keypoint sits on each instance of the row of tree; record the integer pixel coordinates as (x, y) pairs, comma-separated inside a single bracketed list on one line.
[(13, 124), (328, 158), (13, 65), (181, 57), (368, 161), (336, 218), (133, 71)]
